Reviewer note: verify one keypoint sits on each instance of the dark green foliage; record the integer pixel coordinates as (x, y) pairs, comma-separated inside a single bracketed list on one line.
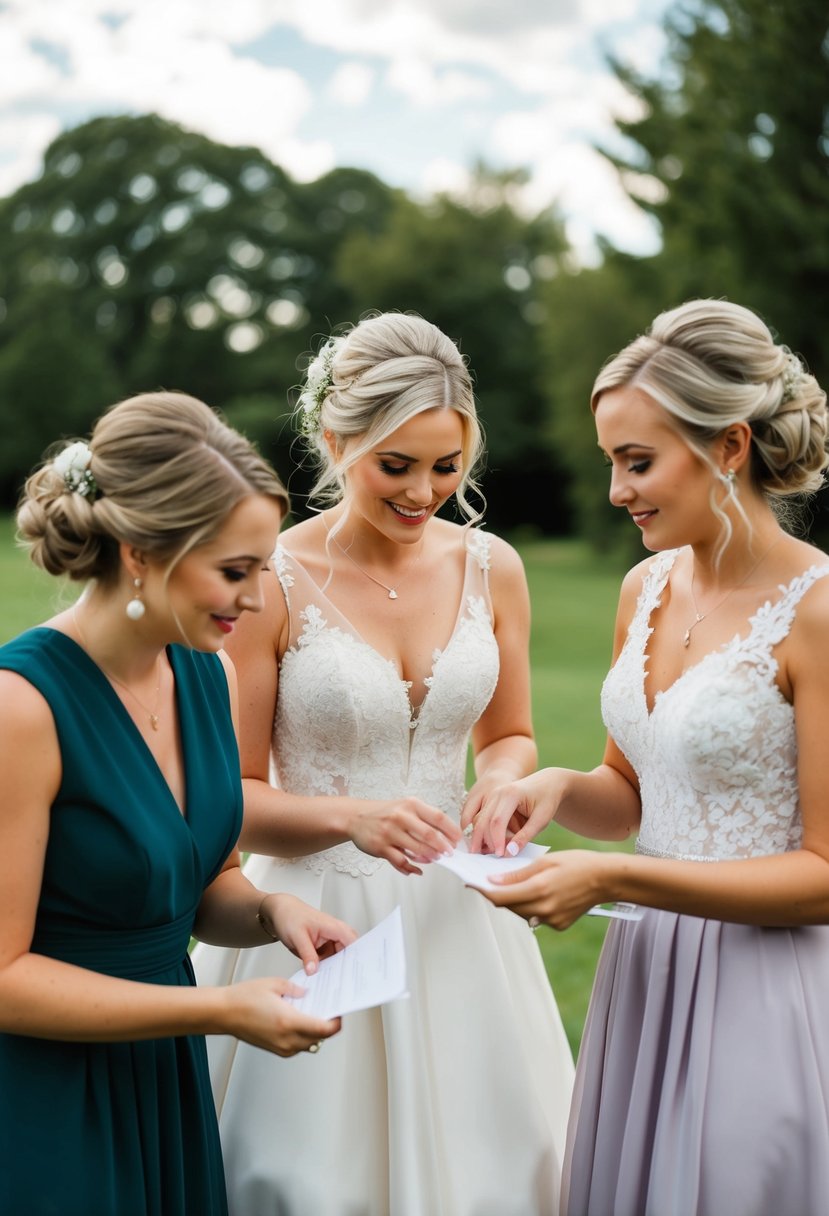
[(149, 257), (730, 155)]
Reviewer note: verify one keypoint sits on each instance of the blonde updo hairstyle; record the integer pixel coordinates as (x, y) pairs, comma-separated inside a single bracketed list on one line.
[(387, 369), (711, 363), (167, 471)]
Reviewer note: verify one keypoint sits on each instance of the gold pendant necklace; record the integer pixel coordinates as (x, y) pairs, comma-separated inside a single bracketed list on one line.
[(151, 714), (392, 593), (700, 616)]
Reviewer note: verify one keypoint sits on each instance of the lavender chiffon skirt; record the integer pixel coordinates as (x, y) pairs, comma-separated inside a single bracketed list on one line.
[(702, 1087)]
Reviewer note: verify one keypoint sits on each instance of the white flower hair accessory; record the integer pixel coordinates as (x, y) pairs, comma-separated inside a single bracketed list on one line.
[(318, 380), (794, 374), (72, 464)]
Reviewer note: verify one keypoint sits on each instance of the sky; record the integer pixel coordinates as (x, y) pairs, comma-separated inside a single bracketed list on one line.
[(415, 91)]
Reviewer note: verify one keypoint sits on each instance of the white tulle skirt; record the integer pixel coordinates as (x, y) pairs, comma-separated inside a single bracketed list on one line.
[(453, 1102)]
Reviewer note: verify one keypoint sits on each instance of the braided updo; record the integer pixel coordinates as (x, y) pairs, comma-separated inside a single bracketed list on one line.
[(164, 473), (711, 363)]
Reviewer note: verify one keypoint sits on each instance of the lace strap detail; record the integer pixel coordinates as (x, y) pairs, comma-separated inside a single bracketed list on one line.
[(479, 545), (653, 584), (772, 622)]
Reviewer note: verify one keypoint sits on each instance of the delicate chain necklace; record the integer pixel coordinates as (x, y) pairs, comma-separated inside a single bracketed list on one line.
[(700, 616), (152, 715), (392, 593)]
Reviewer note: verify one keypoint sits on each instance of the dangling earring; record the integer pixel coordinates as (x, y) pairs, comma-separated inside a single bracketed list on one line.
[(729, 480), (136, 608)]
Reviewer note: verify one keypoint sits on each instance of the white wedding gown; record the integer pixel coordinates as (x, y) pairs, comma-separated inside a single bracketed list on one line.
[(453, 1102)]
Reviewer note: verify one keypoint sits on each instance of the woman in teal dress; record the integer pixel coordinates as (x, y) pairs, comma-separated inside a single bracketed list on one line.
[(120, 806)]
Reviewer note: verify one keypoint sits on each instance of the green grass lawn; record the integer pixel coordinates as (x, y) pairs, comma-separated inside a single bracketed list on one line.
[(574, 599)]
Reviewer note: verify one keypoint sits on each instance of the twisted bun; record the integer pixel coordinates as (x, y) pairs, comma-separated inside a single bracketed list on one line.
[(167, 472), (60, 528), (711, 363)]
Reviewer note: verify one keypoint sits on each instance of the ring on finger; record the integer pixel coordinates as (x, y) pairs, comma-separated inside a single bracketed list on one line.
[(314, 1048), (534, 922)]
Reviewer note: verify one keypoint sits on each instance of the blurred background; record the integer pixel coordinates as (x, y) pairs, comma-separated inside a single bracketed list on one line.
[(193, 194), (196, 193)]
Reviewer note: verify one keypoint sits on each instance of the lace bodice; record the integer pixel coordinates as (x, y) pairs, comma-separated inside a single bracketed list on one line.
[(344, 721), (716, 757)]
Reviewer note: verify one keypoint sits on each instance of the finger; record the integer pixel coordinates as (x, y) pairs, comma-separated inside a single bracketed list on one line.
[(470, 810), (401, 863), (446, 827), (305, 951), (514, 877)]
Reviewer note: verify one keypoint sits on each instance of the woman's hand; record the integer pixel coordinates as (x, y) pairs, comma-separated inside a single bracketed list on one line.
[(310, 934), (508, 817), (255, 1012), (403, 831), (558, 888)]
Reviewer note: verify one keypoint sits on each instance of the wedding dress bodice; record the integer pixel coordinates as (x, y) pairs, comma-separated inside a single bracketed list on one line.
[(716, 757), (344, 722)]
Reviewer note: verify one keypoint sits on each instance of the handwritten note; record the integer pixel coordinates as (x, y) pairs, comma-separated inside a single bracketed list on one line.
[(369, 972)]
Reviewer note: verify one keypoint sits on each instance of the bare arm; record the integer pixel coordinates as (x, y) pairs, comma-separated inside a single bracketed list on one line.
[(603, 803), (503, 738), (785, 889), (46, 998), (285, 825)]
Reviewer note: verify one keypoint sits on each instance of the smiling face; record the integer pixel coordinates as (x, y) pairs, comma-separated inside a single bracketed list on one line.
[(655, 475), (398, 486), (216, 582)]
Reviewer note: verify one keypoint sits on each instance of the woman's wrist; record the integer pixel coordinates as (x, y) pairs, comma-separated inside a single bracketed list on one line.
[(266, 916)]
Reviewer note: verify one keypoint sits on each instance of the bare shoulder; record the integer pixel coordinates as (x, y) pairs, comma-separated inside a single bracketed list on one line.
[(27, 730), (505, 563), (306, 539)]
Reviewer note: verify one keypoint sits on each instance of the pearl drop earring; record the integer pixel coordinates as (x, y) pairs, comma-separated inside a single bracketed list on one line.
[(136, 608)]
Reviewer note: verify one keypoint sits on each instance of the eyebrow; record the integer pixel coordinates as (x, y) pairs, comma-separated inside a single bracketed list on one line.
[(626, 447), (414, 460)]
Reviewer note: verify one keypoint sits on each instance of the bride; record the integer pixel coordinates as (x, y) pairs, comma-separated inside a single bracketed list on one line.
[(389, 637)]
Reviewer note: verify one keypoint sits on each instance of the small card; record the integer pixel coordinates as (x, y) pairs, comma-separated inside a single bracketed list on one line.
[(620, 911), (476, 868)]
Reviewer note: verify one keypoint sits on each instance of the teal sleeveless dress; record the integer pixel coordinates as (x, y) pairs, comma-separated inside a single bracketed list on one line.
[(120, 1129)]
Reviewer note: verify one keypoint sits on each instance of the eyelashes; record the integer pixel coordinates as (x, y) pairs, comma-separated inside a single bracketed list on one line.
[(398, 470)]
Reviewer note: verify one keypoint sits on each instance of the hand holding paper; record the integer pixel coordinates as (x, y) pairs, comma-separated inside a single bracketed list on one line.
[(476, 869), (370, 971)]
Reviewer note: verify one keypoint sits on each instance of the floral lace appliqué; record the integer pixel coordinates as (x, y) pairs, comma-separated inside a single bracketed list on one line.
[(716, 757), (345, 724)]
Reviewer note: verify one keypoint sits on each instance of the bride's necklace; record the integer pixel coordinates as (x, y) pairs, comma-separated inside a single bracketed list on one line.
[(151, 714), (392, 593), (700, 616)]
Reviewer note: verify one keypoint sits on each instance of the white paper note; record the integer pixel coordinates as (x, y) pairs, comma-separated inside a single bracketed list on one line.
[(371, 971), (618, 911), (477, 868)]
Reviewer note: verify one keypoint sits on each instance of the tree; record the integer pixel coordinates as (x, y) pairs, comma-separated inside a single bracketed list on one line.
[(730, 156), (736, 136), (476, 267), (146, 256)]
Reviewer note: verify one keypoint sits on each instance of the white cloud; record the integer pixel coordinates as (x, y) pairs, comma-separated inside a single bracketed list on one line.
[(351, 84), (23, 139), (186, 60), (423, 86)]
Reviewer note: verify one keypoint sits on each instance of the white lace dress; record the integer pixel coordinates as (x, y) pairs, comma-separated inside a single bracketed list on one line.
[(703, 1082), (451, 1103)]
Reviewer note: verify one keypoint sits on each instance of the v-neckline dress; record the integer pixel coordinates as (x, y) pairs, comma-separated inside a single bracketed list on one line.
[(120, 1129), (702, 1086), (416, 1107)]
